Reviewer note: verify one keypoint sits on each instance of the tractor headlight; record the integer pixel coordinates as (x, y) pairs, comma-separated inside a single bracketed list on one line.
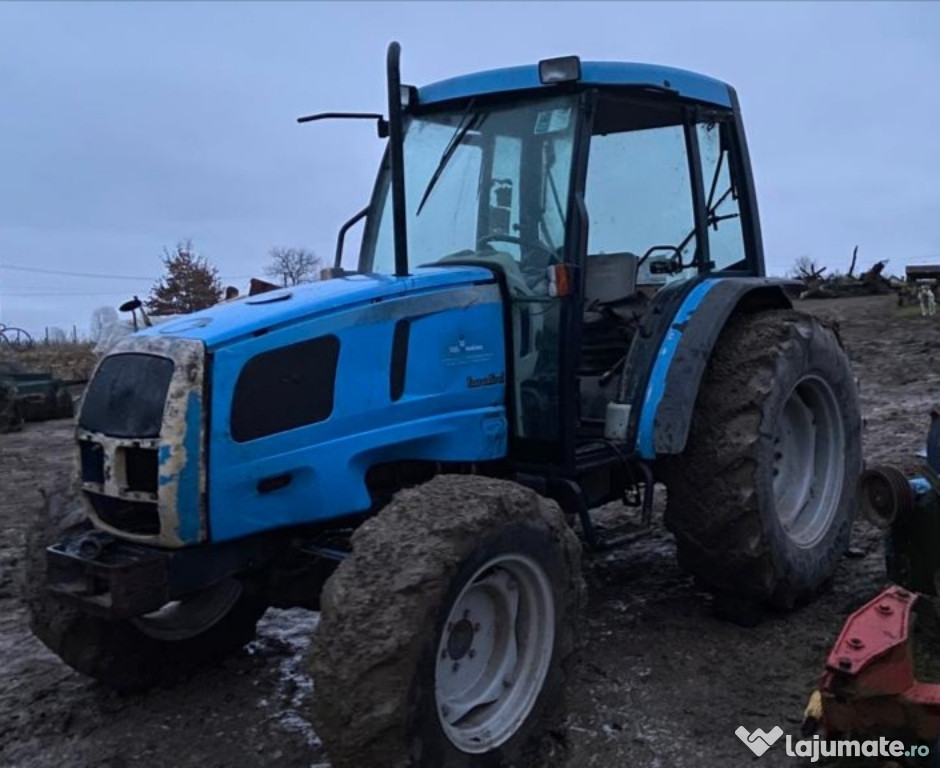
[(564, 69)]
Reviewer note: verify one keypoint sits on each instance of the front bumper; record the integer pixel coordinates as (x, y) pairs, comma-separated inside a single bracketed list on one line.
[(108, 577)]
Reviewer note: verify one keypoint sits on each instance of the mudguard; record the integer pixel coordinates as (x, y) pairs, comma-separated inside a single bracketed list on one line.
[(676, 350)]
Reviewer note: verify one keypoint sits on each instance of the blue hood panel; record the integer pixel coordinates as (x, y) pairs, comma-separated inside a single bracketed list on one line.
[(229, 321)]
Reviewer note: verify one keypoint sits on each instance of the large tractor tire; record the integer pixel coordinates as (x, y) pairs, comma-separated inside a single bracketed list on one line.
[(446, 636), (179, 640), (762, 500)]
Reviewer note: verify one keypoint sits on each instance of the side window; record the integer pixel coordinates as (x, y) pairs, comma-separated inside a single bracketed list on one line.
[(725, 236), (639, 194), (285, 388)]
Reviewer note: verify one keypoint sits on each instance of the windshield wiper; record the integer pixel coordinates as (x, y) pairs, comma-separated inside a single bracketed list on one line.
[(467, 122)]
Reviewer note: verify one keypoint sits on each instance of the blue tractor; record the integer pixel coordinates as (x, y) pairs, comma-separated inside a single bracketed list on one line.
[(559, 301)]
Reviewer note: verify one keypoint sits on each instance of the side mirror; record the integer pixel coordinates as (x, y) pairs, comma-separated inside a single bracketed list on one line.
[(665, 265), (130, 306)]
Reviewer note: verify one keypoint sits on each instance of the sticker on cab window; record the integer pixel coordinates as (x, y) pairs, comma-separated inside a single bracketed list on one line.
[(552, 120)]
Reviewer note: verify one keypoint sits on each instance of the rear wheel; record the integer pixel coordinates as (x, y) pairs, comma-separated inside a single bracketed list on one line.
[(181, 638), (445, 636), (762, 500)]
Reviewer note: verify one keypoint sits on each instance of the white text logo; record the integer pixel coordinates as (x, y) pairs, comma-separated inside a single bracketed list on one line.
[(759, 742)]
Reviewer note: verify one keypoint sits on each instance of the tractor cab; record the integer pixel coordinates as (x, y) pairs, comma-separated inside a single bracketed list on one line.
[(591, 188)]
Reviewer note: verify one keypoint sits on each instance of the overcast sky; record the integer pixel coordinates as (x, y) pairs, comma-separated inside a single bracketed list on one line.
[(127, 126)]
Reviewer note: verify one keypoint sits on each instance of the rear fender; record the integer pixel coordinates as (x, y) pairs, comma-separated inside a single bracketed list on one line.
[(665, 404)]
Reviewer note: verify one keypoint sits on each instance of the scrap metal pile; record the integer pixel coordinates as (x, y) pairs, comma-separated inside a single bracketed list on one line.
[(839, 286), (28, 396)]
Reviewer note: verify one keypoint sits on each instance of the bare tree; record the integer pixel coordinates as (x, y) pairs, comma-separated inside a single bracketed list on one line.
[(873, 275), (805, 268), (854, 258), (291, 266)]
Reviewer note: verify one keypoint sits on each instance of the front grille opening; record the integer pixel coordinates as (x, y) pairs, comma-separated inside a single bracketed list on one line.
[(141, 469), (92, 460), (140, 517), (126, 396)]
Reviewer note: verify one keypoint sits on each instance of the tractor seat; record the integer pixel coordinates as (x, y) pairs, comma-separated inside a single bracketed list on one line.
[(610, 281), (611, 306)]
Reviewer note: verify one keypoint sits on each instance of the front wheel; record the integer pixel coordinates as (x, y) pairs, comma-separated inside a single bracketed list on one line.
[(762, 500), (445, 636), (181, 638)]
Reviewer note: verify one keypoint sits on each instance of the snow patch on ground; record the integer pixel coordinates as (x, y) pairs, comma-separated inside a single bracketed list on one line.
[(288, 634)]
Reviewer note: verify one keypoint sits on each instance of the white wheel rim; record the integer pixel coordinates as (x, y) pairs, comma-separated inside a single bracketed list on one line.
[(494, 653), (809, 461)]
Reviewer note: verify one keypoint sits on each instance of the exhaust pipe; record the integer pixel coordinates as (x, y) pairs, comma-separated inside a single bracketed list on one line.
[(396, 156)]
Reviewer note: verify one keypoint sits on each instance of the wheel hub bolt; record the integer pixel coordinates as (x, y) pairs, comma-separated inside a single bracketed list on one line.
[(471, 653), (455, 667)]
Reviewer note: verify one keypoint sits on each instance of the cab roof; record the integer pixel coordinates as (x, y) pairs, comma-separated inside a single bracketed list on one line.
[(686, 84)]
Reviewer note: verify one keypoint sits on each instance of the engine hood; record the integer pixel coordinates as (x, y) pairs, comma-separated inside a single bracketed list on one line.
[(234, 319)]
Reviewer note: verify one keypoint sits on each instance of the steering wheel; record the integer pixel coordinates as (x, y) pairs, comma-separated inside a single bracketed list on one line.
[(534, 276)]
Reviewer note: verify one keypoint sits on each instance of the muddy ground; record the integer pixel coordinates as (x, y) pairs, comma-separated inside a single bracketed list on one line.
[(662, 681)]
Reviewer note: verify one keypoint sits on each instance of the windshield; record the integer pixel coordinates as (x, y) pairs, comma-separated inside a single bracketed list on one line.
[(481, 178)]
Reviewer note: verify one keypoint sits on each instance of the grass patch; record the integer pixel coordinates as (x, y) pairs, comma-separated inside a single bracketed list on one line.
[(63, 360)]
